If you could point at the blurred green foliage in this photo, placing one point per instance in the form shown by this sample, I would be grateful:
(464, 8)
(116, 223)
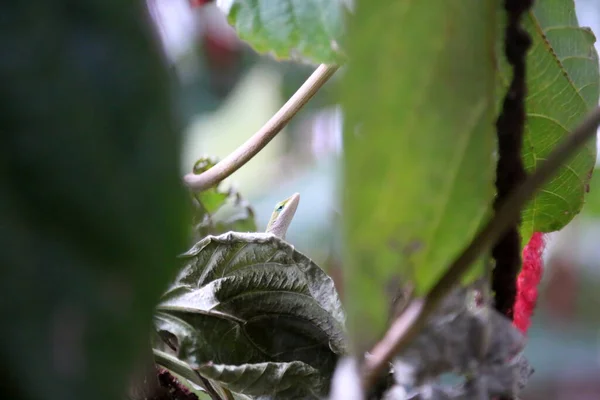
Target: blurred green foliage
(93, 212)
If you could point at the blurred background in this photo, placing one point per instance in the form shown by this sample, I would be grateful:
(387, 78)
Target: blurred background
(226, 92)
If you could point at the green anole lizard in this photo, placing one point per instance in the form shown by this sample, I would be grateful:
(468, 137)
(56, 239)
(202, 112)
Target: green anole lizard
(282, 216)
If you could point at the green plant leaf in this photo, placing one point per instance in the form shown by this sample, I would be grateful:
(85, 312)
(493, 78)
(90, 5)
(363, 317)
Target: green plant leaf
(235, 214)
(305, 29)
(251, 298)
(592, 200)
(418, 145)
(210, 200)
(563, 83)
(269, 380)
(92, 207)
(219, 210)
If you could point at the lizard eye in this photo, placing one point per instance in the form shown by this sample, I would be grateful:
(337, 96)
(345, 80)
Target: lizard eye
(280, 208)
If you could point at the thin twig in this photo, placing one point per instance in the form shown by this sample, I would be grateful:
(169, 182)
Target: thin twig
(259, 140)
(407, 325)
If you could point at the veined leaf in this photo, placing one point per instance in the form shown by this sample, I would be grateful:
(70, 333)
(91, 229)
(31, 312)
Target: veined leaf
(563, 84)
(269, 380)
(249, 298)
(306, 29)
(419, 140)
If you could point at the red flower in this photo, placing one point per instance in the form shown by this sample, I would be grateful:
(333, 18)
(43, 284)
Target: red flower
(528, 281)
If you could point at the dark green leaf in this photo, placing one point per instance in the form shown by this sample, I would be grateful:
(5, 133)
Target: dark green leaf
(251, 298)
(92, 209)
(418, 145)
(269, 380)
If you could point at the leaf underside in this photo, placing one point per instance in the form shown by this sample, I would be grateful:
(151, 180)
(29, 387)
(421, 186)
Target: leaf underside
(291, 29)
(418, 145)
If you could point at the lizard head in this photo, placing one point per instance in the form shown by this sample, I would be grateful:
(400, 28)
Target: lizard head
(282, 215)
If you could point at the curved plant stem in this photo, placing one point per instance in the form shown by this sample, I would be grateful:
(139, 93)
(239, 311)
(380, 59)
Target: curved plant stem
(259, 140)
(408, 324)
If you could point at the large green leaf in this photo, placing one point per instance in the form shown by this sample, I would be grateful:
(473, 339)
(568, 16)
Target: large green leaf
(92, 208)
(269, 380)
(419, 138)
(306, 29)
(563, 84)
(250, 298)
